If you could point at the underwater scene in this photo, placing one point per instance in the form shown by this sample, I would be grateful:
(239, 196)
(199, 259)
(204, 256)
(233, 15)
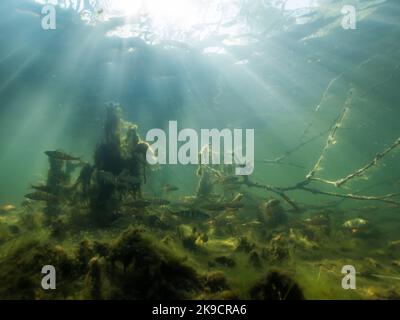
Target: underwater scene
(199, 149)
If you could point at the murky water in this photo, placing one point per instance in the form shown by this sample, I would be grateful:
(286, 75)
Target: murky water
(83, 84)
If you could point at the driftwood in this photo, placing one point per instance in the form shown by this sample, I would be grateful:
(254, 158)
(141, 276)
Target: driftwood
(311, 177)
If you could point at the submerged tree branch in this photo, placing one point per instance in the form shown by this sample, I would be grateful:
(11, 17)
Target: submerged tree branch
(304, 184)
(280, 191)
(280, 159)
(331, 140)
(385, 198)
(273, 189)
(363, 170)
(323, 98)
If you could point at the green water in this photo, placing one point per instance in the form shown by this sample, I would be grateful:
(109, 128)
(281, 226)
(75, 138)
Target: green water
(288, 73)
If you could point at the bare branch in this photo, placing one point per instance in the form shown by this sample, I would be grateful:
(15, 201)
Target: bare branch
(323, 98)
(279, 160)
(385, 198)
(273, 189)
(361, 171)
(332, 135)
(331, 140)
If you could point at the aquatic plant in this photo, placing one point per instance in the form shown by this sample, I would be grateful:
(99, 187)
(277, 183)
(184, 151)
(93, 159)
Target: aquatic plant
(277, 286)
(144, 262)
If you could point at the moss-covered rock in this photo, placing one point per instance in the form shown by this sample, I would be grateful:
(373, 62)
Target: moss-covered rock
(143, 270)
(276, 286)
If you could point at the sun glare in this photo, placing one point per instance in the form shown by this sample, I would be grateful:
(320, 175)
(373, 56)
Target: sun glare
(125, 7)
(172, 11)
(297, 4)
(180, 20)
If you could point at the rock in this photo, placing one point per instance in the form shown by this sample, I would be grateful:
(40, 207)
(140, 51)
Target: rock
(277, 248)
(300, 241)
(357, 226)
(225, 261)
(225, 295)
(244, 245)
(255, 259)
(317, 226)
(396, 263)
(272, 213)
(144, 261)
(188, 236)
(394, 245)
(215, 281)
(276, 286)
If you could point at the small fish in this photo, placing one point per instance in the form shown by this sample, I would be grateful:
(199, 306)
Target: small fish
(238, 197)
(169, 188)
(214, 207)
(188, 200)
(40, 196)
(142, 203)
(254, 223)
(160, 202)
(42, 188)
(193, 214)
(59, 155)
(222, 206)
(318, 220)
(355, 223)
(234, 205)
(7, 208)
